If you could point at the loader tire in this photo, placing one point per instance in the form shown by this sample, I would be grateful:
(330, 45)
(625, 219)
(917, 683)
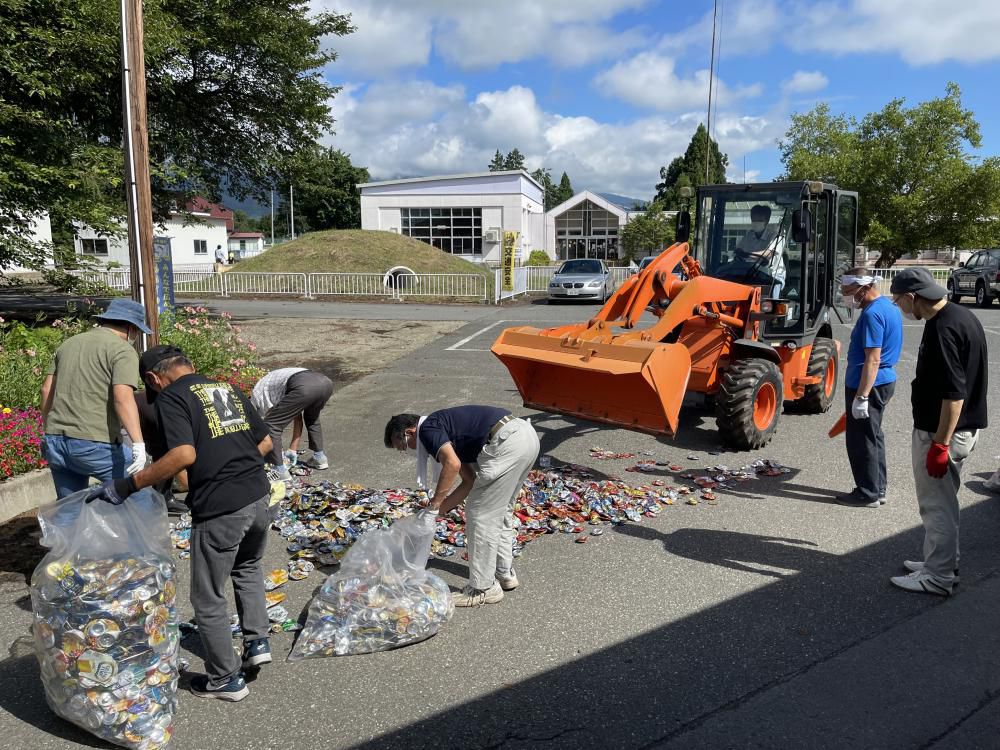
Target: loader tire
(748, 403)
(824, 364)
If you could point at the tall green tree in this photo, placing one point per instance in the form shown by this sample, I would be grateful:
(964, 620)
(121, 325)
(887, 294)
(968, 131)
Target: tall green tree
(919, 184)
(326, 193)
(497, 164)
(689, 170)
(647, 233)
(233, 89)
(514, 160)
(565, 190)
(551, 191)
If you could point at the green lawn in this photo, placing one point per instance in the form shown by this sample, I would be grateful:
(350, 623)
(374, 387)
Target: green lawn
(355, 251)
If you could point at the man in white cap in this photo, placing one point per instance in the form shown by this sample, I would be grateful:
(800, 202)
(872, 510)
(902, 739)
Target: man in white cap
(492, 451)
(876, 343)
(949, 410)
(87, 397)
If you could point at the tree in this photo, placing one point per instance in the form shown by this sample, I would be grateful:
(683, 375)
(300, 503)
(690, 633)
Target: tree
(551, 191)
(233, 88)
(326, 193)
(647, 233)
(565, 190)
(514, 160)
(918, 184)
(689, 170)
(497, 165)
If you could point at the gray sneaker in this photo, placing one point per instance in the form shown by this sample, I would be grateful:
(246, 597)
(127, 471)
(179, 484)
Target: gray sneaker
(917, 566)
(508, 581)
(470, 597)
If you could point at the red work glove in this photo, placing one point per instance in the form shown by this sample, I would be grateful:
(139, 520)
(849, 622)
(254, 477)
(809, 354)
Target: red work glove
(937, 460)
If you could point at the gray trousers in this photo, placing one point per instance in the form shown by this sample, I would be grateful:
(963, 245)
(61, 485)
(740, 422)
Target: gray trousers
(222, 548)
(306, 393)
(866, 442)
(938, 501)
(501, 468)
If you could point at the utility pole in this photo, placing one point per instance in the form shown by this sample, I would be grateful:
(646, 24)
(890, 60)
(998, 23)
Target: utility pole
(291, 209)
(711, 81)
(136, 147)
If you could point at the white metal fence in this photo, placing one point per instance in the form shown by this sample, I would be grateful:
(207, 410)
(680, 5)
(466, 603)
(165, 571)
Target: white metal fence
(349, 285)
(888, 274)
(538, 277)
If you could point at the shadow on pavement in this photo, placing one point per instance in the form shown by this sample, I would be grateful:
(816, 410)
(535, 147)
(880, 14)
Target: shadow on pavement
(658, 686)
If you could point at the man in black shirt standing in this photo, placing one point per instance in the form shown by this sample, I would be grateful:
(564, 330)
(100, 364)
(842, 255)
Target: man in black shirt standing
(492, 451)
(949, 410)
(211, 430)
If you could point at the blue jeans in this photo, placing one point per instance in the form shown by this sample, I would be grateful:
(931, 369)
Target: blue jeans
(74, 461)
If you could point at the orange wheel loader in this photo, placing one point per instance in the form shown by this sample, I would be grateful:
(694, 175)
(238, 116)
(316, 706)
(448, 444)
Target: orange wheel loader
(745, 320)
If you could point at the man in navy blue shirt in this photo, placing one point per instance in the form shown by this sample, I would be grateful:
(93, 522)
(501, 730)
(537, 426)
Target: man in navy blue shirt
(876, 342)
(492, 452)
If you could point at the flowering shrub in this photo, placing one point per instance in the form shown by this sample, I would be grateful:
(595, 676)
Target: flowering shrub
(20, 438)
(214, 345)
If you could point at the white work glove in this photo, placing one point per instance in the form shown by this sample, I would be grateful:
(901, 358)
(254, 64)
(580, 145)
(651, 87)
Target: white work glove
(859, 409)
(139, 458)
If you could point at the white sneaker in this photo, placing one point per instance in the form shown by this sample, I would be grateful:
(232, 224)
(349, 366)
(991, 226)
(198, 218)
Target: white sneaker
(318, 461)
(470, 597)
(917, 566)
(508, 581)
(921, 583)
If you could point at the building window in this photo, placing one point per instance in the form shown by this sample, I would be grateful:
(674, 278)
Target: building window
(458, 231)
(201, 247)
(93, 247)
(587, 231)
(243, 245)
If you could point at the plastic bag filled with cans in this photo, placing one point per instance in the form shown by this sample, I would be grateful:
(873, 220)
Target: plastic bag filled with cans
(382, 596)
(105, 628)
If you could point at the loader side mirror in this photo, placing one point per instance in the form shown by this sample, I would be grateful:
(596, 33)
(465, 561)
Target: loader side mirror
(801, 225)
(683, 227)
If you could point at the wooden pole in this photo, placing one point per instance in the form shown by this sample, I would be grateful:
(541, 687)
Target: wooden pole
(136, 146)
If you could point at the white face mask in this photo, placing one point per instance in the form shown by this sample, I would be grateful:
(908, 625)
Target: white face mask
(909, 315)
(850, 302)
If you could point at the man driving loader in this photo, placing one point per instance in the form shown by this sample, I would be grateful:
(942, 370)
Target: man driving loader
(761, 248)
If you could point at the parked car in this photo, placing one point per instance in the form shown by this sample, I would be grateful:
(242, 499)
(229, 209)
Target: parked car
(979, 277)
(582, 278)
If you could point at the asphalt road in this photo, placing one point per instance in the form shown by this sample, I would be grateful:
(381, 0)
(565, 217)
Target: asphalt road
(766, 620)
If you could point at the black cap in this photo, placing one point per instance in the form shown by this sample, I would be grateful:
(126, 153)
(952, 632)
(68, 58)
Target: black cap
(918, 281)
(150, 359)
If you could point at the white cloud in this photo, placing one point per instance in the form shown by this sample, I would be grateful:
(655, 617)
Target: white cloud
(649, 80)
(805, 82)
(922, 32)
(398, 34)
(376, 126)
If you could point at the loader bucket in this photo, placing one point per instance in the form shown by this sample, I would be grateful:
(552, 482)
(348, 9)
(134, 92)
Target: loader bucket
(635, 385)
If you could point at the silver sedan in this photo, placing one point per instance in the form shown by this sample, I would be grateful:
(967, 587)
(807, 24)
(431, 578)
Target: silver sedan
(583, 278)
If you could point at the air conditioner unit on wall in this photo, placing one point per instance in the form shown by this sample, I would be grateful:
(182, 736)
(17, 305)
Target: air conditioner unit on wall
(491, 235)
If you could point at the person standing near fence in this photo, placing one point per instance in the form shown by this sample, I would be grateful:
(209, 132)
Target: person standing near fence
(492, 451)
(949, 409)
(88, 396)
(876, 343)
(279, 397)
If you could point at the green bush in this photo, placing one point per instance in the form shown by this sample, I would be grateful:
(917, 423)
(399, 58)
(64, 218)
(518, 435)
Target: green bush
(539, 258)
(25, 355)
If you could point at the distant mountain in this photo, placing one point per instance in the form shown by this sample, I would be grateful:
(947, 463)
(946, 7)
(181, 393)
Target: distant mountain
(623, 200)
(251, 207)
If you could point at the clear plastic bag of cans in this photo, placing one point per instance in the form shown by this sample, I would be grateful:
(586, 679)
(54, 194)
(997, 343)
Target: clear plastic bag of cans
(382, 597)
(105, 628)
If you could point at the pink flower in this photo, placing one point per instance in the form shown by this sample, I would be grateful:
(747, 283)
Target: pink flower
(252, 347)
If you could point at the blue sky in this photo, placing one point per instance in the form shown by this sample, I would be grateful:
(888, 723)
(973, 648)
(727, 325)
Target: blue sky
(611, 90)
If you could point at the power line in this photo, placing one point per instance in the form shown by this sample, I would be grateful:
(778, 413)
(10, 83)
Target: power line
(711, 83)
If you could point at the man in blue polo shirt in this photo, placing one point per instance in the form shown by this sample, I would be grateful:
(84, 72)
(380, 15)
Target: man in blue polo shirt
(876, 342)
(492, 451)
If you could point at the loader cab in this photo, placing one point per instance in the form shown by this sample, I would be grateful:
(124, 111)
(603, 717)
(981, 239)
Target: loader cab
(792, 239)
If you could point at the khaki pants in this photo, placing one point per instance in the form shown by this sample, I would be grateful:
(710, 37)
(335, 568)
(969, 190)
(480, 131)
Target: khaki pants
(938, 501)
(501, 468)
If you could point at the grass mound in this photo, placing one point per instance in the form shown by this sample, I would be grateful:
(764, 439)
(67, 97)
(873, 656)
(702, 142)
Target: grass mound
(355, 251)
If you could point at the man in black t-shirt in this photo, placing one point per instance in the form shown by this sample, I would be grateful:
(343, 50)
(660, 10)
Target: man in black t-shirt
(949, 409)
(492, 451)
(211, 430)
(149, 423)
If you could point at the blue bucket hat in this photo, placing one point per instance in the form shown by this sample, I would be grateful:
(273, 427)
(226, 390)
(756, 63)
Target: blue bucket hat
(126, 311)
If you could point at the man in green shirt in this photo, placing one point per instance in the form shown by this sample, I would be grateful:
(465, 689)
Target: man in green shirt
(87, 397)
